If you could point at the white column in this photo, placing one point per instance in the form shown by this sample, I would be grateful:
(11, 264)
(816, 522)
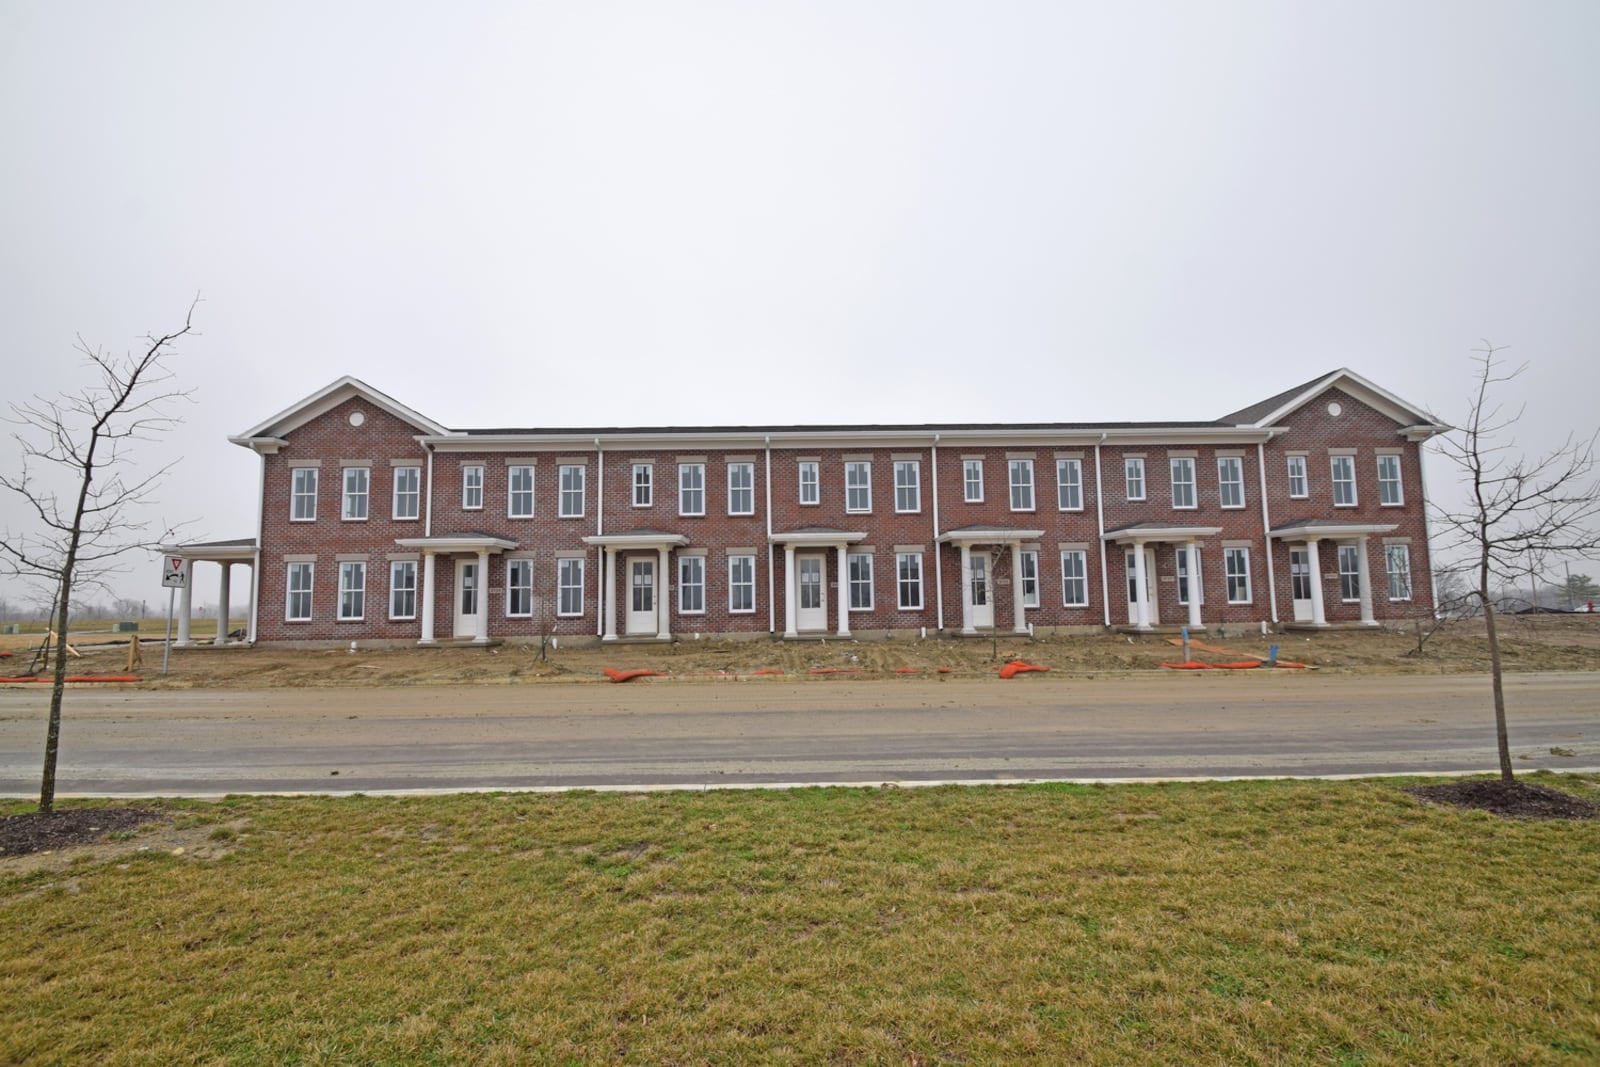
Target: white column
(1019, 617)
(224, 594)
(966, 589)
(427, 600)
(844, 591)
(1141, 599)
(1364, 574)
(185, 609)
(609, 593)
(1191, 563)
(250, 618)
(480, 625)
(789, 593)
(1319, 616)
(663, 587)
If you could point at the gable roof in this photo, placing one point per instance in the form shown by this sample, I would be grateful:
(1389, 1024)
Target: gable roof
(1266, 412)
(326, 399)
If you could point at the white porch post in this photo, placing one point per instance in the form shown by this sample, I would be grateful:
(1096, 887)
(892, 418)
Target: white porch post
(609, 594)
(480, 625)
(1191, 563)
(1141, 599)
(185, 609)
(966, 589)
(844, 590)
(1019, 617)
(250, 617)
(663, 587)
(1319, 616)
(427, 637)
(224, 594)
(1363, 571)
(789, 585)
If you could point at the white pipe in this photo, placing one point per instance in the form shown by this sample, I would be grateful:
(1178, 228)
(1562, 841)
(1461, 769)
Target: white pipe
(938, 567)
(1266, 533)
(772, 607)
(261, 536)
(1100, 520)
(599, 531)
(427, 514)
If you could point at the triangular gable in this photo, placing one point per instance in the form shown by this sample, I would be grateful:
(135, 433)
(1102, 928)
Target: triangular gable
(329, 397)
(1379, 399)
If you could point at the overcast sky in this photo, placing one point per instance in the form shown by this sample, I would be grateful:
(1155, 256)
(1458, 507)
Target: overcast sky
(647, 213)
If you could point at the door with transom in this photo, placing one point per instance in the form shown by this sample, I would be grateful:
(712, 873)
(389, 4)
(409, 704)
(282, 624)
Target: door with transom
(1149, 585)
(1300, 579)
(811, 612)
(642, 619)
(981, 586)
(469, 597)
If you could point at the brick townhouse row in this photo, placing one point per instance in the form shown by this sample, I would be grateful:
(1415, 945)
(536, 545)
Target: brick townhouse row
(379, 525)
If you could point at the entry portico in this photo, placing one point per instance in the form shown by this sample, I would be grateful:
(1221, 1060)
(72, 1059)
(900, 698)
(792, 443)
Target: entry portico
(1134, 538)
(649, 611)
(805, 605)
(225, 554)
(1305, 564)
(471, 601)
(977, 577)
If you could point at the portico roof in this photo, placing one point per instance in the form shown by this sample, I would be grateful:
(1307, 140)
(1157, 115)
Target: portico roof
(1332, 529)
(646, 538)
(1159, 531)
(461, 542)
(816, 535)
(988, 535)
(243, 548)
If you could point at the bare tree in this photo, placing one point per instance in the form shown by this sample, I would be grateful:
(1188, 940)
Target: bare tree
(82, 441)
(1519, 511)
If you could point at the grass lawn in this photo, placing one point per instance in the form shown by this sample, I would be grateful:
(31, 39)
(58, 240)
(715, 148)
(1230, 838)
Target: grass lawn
(1277, 922)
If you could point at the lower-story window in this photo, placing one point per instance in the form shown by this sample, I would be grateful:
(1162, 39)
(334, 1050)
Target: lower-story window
(1074, 578)
(569, 586)
(1183, 575)
(691, 585)
(352, 591)
(1236, 564)
(741, 584)
(1030, 579)
(1349, 573)
(1397, 561)
(403, 589)
(860, 567)
(519, 588)
(297, 602)
(908, 567)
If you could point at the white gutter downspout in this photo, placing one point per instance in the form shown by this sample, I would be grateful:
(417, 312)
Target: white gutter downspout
(1266, 531)
(938, 568)
(1100, 519)
(1427, 534)
(427, 515)
(772, 607)
(599, 531)
(261, 534)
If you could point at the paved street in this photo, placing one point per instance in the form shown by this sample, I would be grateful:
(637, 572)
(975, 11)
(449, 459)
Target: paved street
(200, 742)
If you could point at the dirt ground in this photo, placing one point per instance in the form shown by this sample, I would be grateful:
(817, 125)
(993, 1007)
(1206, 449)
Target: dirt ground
(1542, 643)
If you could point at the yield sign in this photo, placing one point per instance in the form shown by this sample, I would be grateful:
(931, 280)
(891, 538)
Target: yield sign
(174, 572)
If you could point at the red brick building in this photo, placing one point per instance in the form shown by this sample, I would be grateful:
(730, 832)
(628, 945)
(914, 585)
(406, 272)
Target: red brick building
(379, 525)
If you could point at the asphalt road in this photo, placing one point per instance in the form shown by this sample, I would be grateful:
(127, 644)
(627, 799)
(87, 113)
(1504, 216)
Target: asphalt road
(203, 742)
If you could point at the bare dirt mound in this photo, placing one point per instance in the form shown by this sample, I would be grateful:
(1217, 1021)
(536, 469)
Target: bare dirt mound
(1513, 800)
(34, 831)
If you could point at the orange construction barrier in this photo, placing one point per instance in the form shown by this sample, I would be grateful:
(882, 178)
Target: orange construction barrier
(75, 678)
(769, 670)
(834, 670)
(1016, 667)
(628, 676)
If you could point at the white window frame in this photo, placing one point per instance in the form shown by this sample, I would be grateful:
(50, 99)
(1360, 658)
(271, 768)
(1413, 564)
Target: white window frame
(1074, 578)
(1029, 578)
(1389, 483)
(571, 482)
(1236, 569)
(1184, 466)
(356, 494)
(908, 584)
(472, 487)
(691, 578)
(1299, 481)
(1133, 477)
(569, 586)
(858, 487)
(644, 490)
(1230, 486)
(292, 590)
(691, 489)
(514, 494)
(300, 493)
(741, 576)
(1347, 464)
(1400, 554)
(352, 593)
(907, 486)
(858, 570)
(1349, 560)
(1021, 495)
(1181, 569)
(972, 481)
(810, 483)
(741, 488)
(519, 589)
(398, 569)
(1069, 485)
(407, 494)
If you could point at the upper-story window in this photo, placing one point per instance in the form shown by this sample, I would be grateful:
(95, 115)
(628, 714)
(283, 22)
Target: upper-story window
(407, 492)
(1133, 476)
(472, 487)
(356, 484)
(1230, 481)
(1069, 484)
(741, 489)
(1344, 481)
(519, 495)
(972, 481)
(1021, 484)
(572, 477)
(907, 485)
(810, 486)
(1390, 493)
(303, 495)
(858, 486)
(1299, 488)
(643, 485)
(1183, 481)
(691, 489)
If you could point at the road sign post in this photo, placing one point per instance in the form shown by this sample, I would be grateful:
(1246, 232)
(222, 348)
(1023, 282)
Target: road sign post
(175, 576)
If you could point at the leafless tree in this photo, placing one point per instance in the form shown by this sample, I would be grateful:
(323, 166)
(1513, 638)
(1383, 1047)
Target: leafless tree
(1519, 511)
(83, 491)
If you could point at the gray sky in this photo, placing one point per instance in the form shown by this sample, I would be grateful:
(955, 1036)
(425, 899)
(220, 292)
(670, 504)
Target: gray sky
(627, 213)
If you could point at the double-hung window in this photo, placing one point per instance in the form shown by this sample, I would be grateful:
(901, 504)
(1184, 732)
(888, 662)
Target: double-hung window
(1230, 481)
(1236, 565)
(303, 495)
(1397, 561)
(691, 489)
(1183, 482)
(1021, 484)
(1349, 573)
(1133, 476)
(569, 586)
(643, 485)
(1029, 561)
(972, 481)
(1298, 487)
(741, 584)
(859, 565)
(1074, 578)
(907, 485)
(519, 588)
(691, 585)
(1344, 481)
(741, 489)
(810, 483)
(908, 570)
(1390, 493)
(472, 487)
(1069, 484)
(352, 590)
(571, 480)
(858, 486)
(403, 589)
(297, 599)
(1183, 575)
(519, 494)
(407, 492)
(356, 482)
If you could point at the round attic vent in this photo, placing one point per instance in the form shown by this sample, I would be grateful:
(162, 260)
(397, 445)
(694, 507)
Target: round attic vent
(1333, 409)
(358, 418)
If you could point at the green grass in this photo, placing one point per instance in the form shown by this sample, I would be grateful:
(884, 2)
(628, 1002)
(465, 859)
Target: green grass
(1284, 923)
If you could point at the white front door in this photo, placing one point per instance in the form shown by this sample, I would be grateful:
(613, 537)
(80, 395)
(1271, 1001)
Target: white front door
(642, 619)
(812, 611)
(1149, 586)
(982, 591)
(1300, 584)
(469, 597)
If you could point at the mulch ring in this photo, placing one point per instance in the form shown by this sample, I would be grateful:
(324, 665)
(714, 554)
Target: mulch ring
(37, 832)
(1514, 800)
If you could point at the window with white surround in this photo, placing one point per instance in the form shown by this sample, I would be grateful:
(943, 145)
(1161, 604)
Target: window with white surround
(1074, 578)
(352, 590)
(741, 489)
(303, 495)
(571, 480)
(907, 485)
(1183, 481)
(1344, 481)
(1298, 486)
(403, 589)
(972, 481)
(356, 483)
(858, 486)
(1230, 481)
(519, 588)
(1021, 484)
(1236, 565)
(1183, 575)
(407, 492)
(569, 586)
(1349, 573)
(691, 489)
(472, 487)
(519, 494)
(643, 485)
(859, 565)
(741, 584)
(691, 585)
(1030, 578)
(908, 572)
(1133, 475)
(810, 484)
(1069, 484)
(1397, 561)
(1390, 493)
(297, 600)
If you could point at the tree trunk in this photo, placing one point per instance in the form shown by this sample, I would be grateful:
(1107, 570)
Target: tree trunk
(58, 688)
(1502, 742)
